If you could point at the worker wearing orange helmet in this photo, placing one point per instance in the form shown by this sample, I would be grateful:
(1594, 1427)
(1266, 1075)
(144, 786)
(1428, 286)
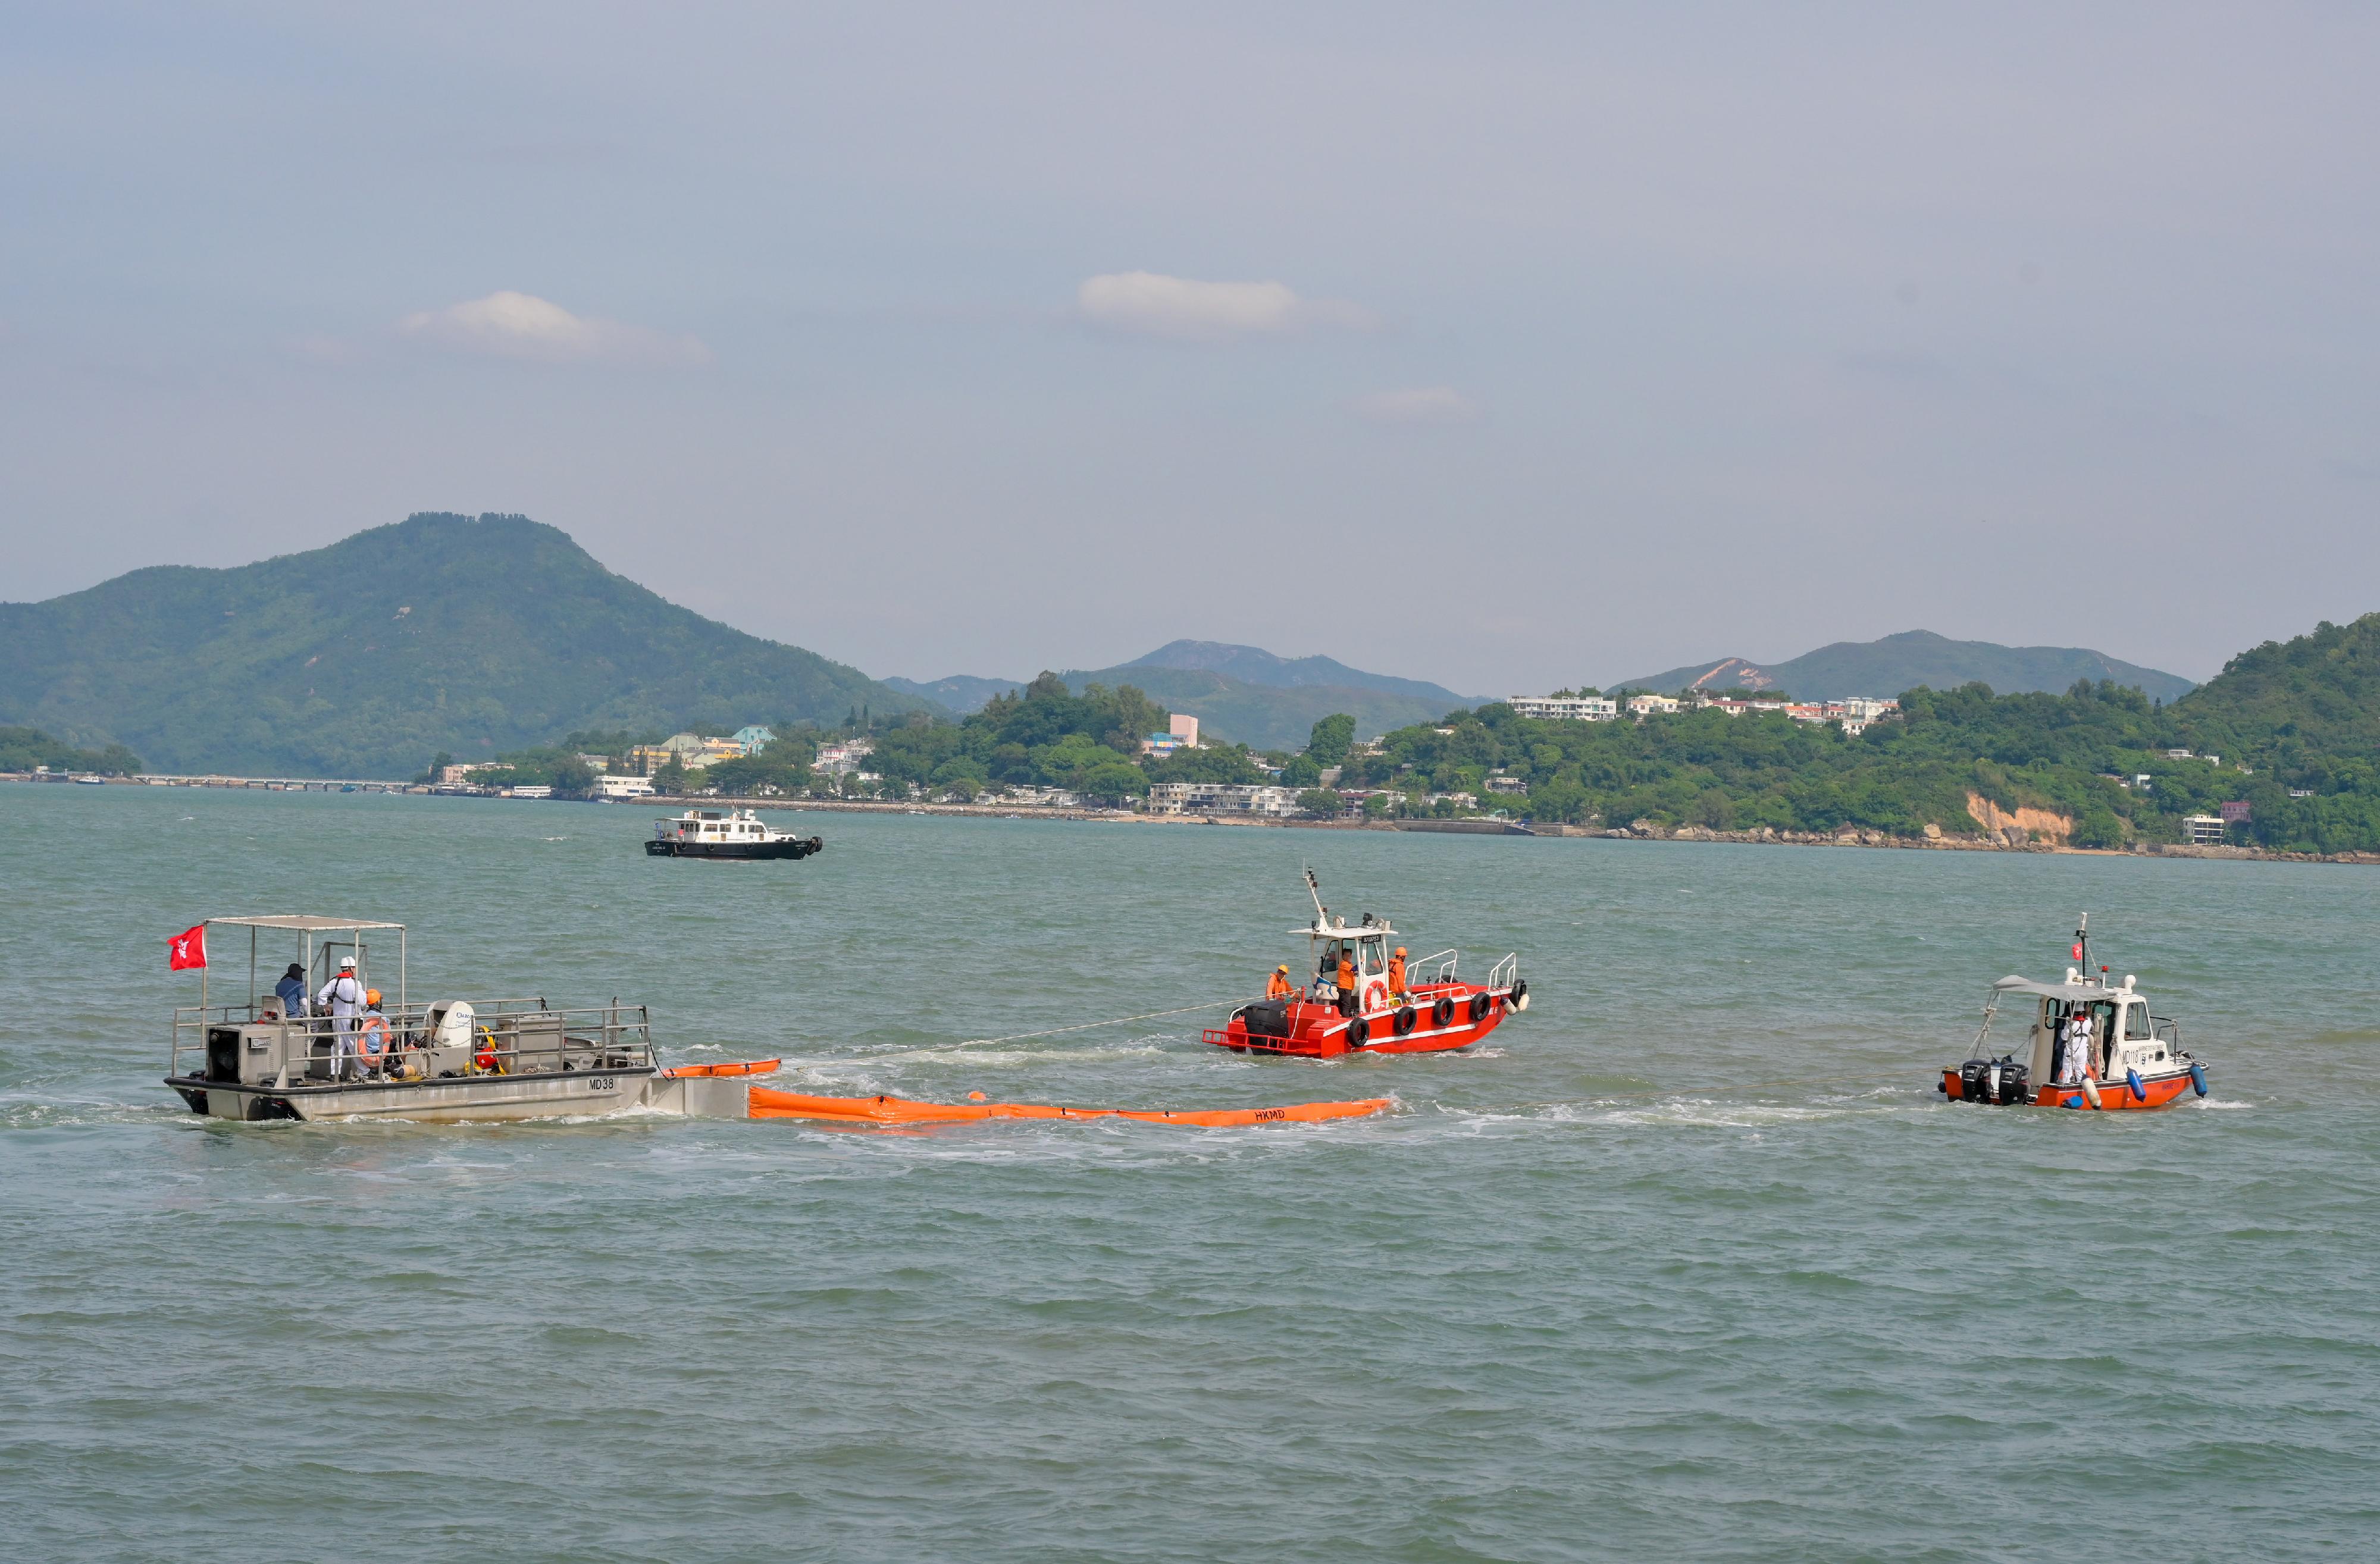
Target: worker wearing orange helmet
(1279, 987)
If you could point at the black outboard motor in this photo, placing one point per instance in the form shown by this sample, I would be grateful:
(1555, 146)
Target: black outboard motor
(1267, 1018)
(2000, 1082)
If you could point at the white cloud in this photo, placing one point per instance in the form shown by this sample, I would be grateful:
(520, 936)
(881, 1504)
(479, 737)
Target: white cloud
(520, 325)
(1151, 304)
(1421, 404)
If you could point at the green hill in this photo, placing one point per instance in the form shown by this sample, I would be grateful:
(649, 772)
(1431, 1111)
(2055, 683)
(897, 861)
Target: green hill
(1886, 667)
(1249, 696)
(1264, 716)
(1244, 694)
(2292, 731)
(365, 657)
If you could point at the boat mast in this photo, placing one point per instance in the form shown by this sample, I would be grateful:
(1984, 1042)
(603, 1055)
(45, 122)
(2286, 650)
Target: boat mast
(2082, 943)
(1314, 888)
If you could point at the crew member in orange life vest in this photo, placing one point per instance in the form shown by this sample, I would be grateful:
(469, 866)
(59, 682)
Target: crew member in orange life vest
(1346, 970)
(1279, 987)
(1397, 973)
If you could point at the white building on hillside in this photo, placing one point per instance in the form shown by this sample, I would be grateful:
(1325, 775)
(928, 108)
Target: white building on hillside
(1646, 705)
(1564, 708)
(843, 759)
(1220, 798)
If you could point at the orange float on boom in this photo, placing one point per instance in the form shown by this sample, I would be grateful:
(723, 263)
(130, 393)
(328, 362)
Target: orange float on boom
(747, 1067)
(768, 1104)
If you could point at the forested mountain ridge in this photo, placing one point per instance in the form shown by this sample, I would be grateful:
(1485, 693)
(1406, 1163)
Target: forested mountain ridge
(1894, 664)
(443, 632)
(2307, 709)
(1240, 693)
(1253, 665)
(2289, 730)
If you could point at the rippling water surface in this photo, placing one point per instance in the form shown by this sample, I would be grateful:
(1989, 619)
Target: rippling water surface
(1689, 1262)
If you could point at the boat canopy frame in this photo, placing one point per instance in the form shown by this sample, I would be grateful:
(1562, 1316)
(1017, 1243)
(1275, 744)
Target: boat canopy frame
(305, 925)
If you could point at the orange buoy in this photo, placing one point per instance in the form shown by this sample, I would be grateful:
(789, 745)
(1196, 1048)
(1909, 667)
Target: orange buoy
(768, 1104)
(748, 1067)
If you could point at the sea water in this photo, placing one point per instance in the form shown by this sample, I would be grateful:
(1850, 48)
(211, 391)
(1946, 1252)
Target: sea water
(1688, 1261)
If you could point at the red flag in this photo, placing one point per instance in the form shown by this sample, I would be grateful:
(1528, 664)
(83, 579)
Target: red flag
(2078, 950)
(186, 949)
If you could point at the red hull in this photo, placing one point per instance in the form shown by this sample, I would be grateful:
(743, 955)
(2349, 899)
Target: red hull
(1318, 1031)
(2162, 1092)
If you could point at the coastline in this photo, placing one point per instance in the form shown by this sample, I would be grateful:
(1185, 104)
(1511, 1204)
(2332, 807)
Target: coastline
(1641, 831)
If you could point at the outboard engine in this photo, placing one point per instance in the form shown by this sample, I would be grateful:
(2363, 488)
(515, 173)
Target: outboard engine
(2000, 1082)
(1267, 1018)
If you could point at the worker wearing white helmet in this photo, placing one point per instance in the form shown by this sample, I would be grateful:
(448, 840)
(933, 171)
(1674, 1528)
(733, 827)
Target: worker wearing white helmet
(344, 996)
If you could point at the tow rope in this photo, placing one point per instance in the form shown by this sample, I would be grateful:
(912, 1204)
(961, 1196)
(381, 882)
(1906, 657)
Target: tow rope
(1090, 1025)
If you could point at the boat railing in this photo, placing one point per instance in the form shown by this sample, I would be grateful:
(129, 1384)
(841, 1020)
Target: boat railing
(508, 1032)
(1504, 973)
(2167, 1032)
(1439, 969)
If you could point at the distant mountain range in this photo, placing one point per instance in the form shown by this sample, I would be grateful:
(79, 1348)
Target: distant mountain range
(488, 634)
(364, 659)
(1899, 663)
(1241, 694)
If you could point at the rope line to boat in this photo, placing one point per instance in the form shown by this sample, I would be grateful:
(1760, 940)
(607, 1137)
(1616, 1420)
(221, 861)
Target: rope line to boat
(1725, 1086)
(1090, 1025)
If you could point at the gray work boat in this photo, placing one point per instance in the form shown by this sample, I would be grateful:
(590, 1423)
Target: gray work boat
(446, 1061)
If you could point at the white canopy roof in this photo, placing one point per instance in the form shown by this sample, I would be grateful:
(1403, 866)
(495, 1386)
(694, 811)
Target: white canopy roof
(2071, 992)
(303, 922)
(1344, 930)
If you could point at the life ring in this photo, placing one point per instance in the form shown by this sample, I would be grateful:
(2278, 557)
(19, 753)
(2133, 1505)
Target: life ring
(1481, 1004)
(1405, 1019)
(1442, 1012)
(1359, 1032)
(371, 1038)
(1375, 996)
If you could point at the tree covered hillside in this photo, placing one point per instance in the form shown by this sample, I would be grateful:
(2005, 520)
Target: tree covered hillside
(1045, 736)
(2303, 717)
(362, 659)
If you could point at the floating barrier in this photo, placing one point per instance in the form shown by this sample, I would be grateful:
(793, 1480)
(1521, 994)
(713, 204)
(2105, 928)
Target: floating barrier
(745, 1067)
(894, 1110)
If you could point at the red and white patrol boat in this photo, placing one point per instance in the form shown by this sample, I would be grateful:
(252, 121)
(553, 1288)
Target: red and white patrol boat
(1435, 1010)
(2092, 1045)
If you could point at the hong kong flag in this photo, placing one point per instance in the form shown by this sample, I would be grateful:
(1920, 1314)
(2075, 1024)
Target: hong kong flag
(186, 949)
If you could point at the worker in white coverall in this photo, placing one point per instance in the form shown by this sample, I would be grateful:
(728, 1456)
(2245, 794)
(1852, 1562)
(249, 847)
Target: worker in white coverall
(344, 998)
(2077, 1048)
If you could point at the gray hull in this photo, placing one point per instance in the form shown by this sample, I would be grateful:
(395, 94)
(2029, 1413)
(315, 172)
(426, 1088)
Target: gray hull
(545, 1095)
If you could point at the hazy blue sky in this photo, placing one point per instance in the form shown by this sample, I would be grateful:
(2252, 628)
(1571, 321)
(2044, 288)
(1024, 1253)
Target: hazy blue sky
(1502, 346)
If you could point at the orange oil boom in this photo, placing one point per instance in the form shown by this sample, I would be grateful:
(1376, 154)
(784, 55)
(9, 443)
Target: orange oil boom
(746, 1067)
(767, 1104)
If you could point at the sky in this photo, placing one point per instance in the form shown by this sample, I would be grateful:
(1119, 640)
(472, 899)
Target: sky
(1509, 347)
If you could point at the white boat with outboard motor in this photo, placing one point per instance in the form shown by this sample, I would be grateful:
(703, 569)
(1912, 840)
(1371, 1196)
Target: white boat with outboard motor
(263, 1058)
(2093, 1043)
